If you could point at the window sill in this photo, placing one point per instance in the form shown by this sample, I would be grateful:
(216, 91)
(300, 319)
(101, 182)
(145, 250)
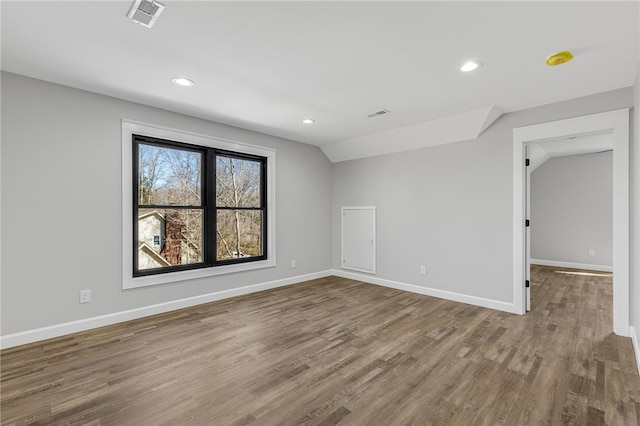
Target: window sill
(193, 274)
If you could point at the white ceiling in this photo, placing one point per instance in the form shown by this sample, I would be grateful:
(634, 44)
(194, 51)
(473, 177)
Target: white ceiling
(267, 65)
(540, 152)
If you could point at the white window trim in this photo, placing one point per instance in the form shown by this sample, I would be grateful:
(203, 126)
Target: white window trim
(129, 128)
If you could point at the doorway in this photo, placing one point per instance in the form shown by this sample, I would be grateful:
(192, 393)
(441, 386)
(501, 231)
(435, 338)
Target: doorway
(570, 206)
(615, 123)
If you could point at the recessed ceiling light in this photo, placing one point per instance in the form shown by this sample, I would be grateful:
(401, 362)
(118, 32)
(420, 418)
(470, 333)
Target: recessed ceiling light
(308, 121)
(470, 66)
(182, 81)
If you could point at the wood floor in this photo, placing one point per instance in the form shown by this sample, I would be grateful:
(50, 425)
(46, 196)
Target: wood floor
(336, 351)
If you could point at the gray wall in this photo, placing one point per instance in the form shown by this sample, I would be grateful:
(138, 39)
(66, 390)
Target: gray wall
(572, 209)
(449, 207)
(61, 205)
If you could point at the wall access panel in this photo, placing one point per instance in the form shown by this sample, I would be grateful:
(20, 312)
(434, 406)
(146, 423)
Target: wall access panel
(359, 239)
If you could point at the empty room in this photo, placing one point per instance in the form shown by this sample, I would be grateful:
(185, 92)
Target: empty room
(319, 213)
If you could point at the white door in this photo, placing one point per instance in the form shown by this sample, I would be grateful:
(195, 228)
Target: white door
(527, 230)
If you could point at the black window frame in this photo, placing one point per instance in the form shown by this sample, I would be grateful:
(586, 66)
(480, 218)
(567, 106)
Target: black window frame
(208, 205)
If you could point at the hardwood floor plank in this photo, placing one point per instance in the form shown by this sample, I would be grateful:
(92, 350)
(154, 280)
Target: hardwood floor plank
(337, 351)
(595, 417)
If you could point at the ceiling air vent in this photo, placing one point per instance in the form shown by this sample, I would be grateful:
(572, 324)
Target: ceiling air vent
(145, 12)
(378, 113)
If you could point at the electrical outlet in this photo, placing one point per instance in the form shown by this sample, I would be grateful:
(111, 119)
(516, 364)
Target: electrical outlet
(592, 252)
(293, 264)
(423, 270)
(85, 296)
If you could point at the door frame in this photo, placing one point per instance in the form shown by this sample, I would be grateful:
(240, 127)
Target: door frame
(527, 230)
(613, 122)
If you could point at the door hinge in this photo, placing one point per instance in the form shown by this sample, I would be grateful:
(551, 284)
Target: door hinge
(526, 222)
(527, 162)
(526, 283)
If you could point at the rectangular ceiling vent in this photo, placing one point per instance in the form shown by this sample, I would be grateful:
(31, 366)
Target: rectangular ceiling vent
(378, 113)
(145, 12)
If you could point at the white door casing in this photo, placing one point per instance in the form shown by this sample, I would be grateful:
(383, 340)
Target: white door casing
(616, 123)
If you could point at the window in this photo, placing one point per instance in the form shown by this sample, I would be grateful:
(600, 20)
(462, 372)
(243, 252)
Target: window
(209, 204)
(197, 206)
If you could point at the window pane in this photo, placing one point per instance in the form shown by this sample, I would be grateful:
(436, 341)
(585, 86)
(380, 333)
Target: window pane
(169, 237)
(237, 182)
(239, 234)
(169, 176)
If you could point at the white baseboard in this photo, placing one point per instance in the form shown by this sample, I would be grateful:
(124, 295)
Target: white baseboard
(427, 291)
(573, 265)
(636, 346)
(49, 332)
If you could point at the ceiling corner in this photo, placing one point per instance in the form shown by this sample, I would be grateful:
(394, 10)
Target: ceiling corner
(492, 114)
(453, 128)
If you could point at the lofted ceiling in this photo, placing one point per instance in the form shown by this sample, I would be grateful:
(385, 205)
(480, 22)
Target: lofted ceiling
(540, 152)
(265, 65)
